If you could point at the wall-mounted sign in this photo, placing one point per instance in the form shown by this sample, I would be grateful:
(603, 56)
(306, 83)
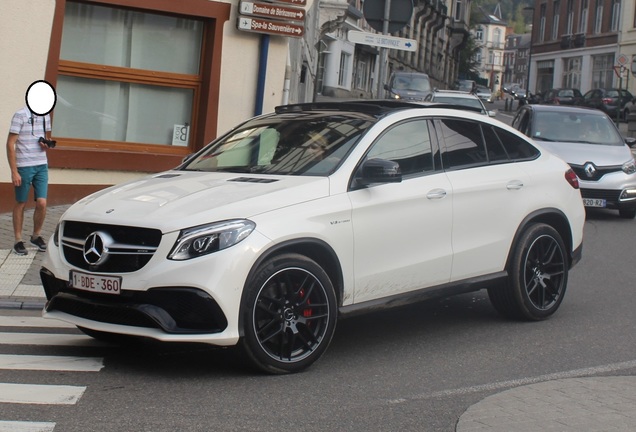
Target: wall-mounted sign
(271, 10)
(382, 41)
(281, 28)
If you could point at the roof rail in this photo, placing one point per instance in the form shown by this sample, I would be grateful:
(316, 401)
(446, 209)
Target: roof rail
(369, 106)
(372, 106)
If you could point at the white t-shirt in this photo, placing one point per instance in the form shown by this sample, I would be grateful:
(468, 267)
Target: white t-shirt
(29, 127)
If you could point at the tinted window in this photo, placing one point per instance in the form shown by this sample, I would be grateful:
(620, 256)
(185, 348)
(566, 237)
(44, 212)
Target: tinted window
(408, 144)
(463, 144)
(516, 147)
(494, 147)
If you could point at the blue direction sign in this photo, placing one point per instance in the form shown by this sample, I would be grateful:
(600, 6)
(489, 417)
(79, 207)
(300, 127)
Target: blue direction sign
(382, 41)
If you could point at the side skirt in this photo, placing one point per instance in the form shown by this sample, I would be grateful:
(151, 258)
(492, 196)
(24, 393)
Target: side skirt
(439, 291)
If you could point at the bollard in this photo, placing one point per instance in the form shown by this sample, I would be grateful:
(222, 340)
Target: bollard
(631, 125)
(506, 105)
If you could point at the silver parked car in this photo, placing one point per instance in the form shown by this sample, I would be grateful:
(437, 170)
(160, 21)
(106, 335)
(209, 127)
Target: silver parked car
(461, 99)
(590, 142)
(483, 93)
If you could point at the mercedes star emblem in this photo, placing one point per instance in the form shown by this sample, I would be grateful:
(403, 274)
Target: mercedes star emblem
(96, 248)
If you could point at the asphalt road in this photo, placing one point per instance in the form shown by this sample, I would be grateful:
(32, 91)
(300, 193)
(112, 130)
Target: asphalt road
(417, 368)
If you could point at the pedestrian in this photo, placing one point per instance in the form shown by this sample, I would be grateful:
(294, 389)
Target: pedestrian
(29, 140)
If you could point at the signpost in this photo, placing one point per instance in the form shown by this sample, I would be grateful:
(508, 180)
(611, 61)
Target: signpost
(386, 16)
(382, 41)
(286, 20)
(254, 16)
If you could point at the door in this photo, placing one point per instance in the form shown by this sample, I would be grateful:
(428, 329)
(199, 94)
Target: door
(402, 231)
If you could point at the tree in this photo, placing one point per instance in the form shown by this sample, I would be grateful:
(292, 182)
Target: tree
(467, 65)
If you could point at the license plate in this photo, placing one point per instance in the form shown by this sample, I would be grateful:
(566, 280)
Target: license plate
(594, 202)
(95, 283)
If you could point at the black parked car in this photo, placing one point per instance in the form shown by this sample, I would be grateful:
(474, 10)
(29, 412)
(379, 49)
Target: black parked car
(563, 96)
(609, 100)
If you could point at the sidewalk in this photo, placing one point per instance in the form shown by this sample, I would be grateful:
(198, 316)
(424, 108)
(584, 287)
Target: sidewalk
(20, 286)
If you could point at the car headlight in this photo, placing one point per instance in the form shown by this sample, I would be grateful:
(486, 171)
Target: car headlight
(206, 239)
(56, 235)
(629, 167)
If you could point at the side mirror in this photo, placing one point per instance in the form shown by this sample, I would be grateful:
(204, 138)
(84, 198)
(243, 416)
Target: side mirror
(630, 141)
(492, 114)
(386, 87)
(379, 171)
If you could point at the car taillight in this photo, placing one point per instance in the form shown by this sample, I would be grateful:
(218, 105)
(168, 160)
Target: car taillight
(571, 178)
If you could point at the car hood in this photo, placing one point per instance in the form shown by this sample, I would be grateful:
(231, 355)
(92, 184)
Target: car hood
(579, 154)
(173, 200)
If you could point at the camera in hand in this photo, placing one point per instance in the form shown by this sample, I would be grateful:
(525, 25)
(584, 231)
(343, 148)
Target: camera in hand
(49, 143)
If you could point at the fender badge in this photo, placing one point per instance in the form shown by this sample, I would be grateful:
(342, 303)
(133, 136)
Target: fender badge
(110, 211)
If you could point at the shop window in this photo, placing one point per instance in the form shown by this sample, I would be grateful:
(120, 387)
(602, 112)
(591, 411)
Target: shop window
(134, 82)
(149, 67)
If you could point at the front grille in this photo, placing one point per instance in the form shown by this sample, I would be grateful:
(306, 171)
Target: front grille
(597, 174)
(608, 195)
(179, 310)
(129, 248)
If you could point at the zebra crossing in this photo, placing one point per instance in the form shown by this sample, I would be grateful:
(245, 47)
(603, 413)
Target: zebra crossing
(29, 333)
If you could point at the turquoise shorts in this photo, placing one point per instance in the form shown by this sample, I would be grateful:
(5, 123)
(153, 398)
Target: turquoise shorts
(38, 176)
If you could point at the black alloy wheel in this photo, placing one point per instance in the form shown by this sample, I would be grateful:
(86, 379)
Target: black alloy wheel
(290, 314)
(538, 276)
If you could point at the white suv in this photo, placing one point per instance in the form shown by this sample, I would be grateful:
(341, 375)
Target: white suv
(268, 235)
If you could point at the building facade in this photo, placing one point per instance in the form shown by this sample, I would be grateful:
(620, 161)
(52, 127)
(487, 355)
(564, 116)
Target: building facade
(489, 32)
(143, 83)
(575, 43)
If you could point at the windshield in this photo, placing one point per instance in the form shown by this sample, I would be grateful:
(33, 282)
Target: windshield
(412, 82)
(287, 144)
(461, 101)
(575, 127)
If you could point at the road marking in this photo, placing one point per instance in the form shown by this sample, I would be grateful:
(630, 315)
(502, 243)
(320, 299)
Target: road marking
(49, 339)
(575, 373)
(19, 426)
(17, 321)
(51, 363)
(40, 394)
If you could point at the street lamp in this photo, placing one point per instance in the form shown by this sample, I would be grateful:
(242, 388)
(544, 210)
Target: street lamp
(530, 48)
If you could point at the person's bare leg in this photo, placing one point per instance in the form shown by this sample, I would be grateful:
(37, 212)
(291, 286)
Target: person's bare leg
(38, 216)
(18, 219)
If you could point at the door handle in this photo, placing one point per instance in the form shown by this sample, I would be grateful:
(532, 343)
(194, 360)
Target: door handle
(436, 194)
(514, 185)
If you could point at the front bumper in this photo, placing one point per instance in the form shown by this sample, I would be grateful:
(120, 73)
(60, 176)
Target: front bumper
(173, 310)
(617, 199)
(196, 300)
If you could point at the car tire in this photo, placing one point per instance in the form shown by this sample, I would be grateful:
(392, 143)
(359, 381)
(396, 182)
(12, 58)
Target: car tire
(289, 315)
(627, 213)
(537, 276)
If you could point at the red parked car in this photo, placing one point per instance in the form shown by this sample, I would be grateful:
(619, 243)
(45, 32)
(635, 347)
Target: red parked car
(609, 101)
